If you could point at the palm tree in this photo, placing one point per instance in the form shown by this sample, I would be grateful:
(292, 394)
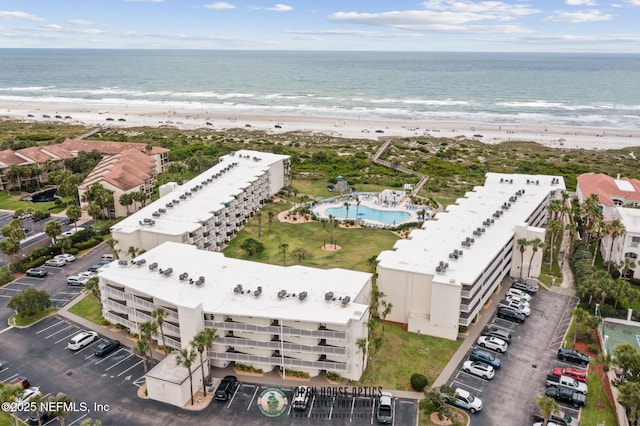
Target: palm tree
(580, 315)
(387, 307)
(625, 265)
(73, 213)
(599, 230)
(126, 200)
(357, 206)
(186, 358)
(201, 341)
(141, 348)
(112, 245)
(259, 215)
(621, 290)
(535, 244)
(159, 314)
(572, 227)
(271, 215)
(553, 228)
(63, 406)
(132, 251)
(10, 393)
(362, 345)
(90, 422)
(522, 246)
(548, 407)
(331, 229)
(148, 329)
(53, 229)
(346, 206)
(93, 287)
(615, 229)
(324, 233)
(283, 247)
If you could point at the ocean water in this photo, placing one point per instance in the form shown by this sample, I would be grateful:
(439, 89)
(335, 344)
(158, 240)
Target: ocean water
(580, 89)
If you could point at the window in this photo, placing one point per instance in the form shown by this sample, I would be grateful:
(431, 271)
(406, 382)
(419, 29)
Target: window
(635, 241)
(618, 202)
(631, 255)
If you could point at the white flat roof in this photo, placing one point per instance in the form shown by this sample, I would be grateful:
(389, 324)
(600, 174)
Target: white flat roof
(427, 247)
(630, 218)
(223, 274)
(187, 215)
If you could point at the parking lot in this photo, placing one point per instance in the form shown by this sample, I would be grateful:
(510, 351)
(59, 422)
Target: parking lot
(509, 398)
(40, 354)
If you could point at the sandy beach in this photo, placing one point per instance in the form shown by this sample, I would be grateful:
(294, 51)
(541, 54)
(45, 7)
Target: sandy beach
(562, 137)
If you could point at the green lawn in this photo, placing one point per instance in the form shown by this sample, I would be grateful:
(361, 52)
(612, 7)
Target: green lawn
(7, 420)
(404, 354)
(592, 414)
(89, 308)
(357, 244)
(23, 321)
(11, 201)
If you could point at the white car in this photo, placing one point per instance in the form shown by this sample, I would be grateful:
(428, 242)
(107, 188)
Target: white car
(58, 263)
(479, 369)
(87, 274)
(526, 310)
(466, 400)
(82, 339)
(519, 293)
(493, 343)
(66, 257)
(518, 299)
(27, 395)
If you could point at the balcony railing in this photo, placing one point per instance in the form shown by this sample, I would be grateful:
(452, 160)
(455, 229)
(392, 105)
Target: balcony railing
(287, 362)
(239, 342)
(268, 329)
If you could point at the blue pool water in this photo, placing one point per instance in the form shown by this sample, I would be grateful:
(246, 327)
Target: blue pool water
(364, 212)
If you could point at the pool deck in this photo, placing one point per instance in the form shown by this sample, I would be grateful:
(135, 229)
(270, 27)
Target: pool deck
(371, 201)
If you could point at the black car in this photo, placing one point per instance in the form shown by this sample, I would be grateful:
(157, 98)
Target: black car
(500, 333)
(44, 417)
(510, 314)
(37, 272)
(567, 395)
(106, 347)
(571, 355)
(560, 417)
(487, 357)
(226, 388)
(527, 288)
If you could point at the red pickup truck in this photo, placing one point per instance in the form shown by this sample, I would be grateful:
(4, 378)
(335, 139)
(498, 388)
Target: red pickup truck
(575, 373)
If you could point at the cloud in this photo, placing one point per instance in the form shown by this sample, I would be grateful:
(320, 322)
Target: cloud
(219, 5)
(16, 14)
(446, 16)
(581, 2)
(79, 22)
(634, 2)
(578, 17)
(280, 8)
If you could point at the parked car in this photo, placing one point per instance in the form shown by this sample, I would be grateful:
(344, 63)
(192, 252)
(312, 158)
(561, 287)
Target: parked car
(574, 356)
(108, 257)
(495, 331)
(22, 381)
(510, 314)
(518, 306)
(87, 274)
(95, 267)
(479, 369)
(466, 400)
(527, 288)
(301, 396)
(566, 382)
(561, 418)
(66, 257)
(226, 388)
(487, 357)
(27, 395)
(384, 414)
(37, 272)
(493, 343)
(81, 340)
(519, 293)
(59, 263)
(106, 347)
(77, 281)
(40, 418)
(575, 373)
(518, 299)
(567, 395)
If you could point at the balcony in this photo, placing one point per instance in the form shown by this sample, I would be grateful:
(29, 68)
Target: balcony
(280, 361)
(278, 345)
(284, 331)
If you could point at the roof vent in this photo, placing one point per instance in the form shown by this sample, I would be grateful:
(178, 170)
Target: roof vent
(183, 276)
(237, 289)
(140, 262)
(162, 210)
(199, 282)
(155, 214)
(282, 294)
(328, 296)
(167, 272)
(153, 266)
(302, 295)
(346, 300)
(258, 292)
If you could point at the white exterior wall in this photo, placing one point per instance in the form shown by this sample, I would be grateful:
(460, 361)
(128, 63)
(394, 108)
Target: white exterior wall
(529, 233)
(169, 383)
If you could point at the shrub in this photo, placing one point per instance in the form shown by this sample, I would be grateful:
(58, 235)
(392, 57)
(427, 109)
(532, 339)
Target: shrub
(300, 374)
(248, 368)
(87, 244)
(334, 377)
(419, 382)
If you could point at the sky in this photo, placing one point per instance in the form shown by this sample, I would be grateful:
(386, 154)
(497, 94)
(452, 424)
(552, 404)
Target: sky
(391, 25)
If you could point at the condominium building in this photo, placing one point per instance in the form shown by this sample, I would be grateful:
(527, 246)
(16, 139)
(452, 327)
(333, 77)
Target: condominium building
(440, 277)
(611, 192)
(626, 245)
(291, 317)
(208, 210)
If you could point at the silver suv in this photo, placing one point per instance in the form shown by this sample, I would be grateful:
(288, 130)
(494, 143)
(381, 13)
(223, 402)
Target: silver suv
(81, 340)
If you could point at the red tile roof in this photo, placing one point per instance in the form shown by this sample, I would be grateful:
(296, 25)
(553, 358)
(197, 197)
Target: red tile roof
(126, 170)
(607, 188)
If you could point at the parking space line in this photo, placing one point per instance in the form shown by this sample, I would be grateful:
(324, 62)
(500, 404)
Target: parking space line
(353, 404)
(133, 366)
(235, 392)
(139, 381)
(65, 338)
(119, 362)
(373, 411)
(4, 295)
(333, 402)
(313, 399)
(51, 326)
(59, 331)
(88, 346)
(9, 378)
(472, 375)
(107, 357)
(77, 420)
(12, 289)
(465, 385)
(251, 402)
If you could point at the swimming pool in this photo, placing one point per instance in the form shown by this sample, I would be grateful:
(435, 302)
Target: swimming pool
(389, 217)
